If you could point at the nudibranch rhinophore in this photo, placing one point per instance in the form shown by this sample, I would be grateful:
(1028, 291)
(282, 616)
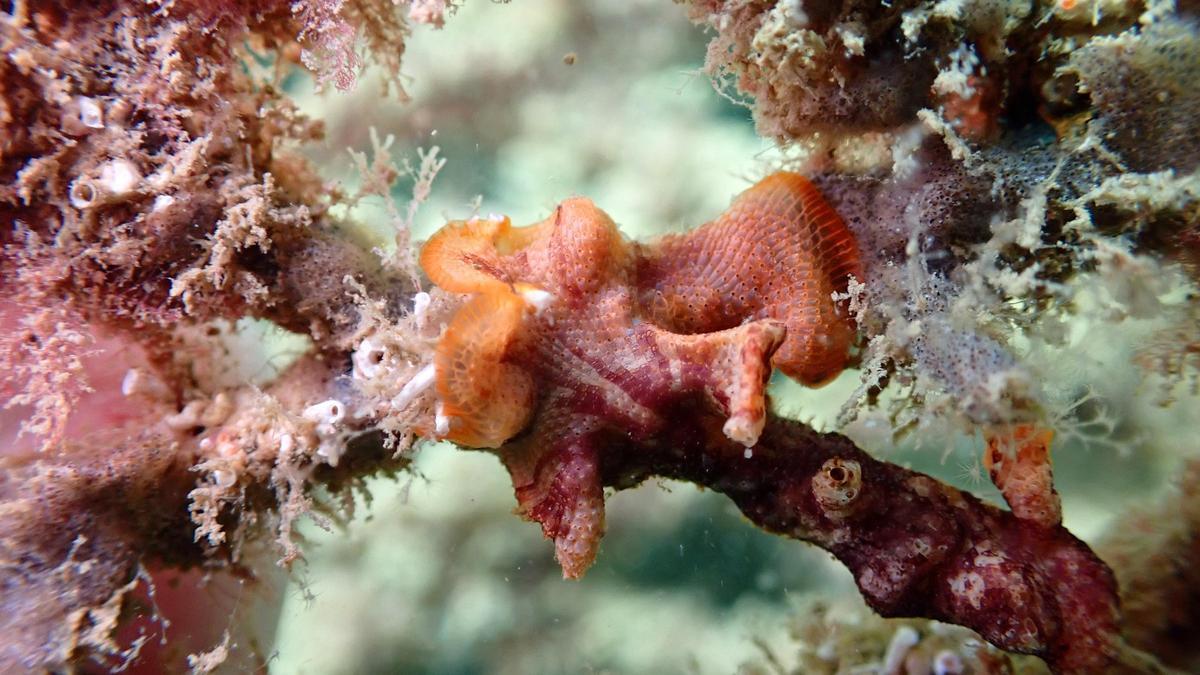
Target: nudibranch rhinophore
(573, 334)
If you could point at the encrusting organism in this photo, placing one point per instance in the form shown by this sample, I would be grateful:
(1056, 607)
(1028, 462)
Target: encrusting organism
(716, 279)
(1018, 461)
(150, 197)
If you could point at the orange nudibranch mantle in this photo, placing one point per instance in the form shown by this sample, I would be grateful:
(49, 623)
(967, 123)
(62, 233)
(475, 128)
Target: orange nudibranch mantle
(778, 255)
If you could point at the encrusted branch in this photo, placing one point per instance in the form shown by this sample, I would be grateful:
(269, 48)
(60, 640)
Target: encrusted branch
(915, 546)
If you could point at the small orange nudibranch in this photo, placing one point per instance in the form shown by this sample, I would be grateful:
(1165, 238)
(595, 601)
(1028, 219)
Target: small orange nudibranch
(1018, 460)
(572, 334)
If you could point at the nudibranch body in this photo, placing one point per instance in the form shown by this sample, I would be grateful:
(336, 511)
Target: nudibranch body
(574, 335)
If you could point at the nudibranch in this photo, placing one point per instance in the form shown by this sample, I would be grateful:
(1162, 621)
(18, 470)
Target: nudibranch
(573, 333)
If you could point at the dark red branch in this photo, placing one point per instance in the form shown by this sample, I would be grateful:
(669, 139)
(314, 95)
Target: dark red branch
(915, 546)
